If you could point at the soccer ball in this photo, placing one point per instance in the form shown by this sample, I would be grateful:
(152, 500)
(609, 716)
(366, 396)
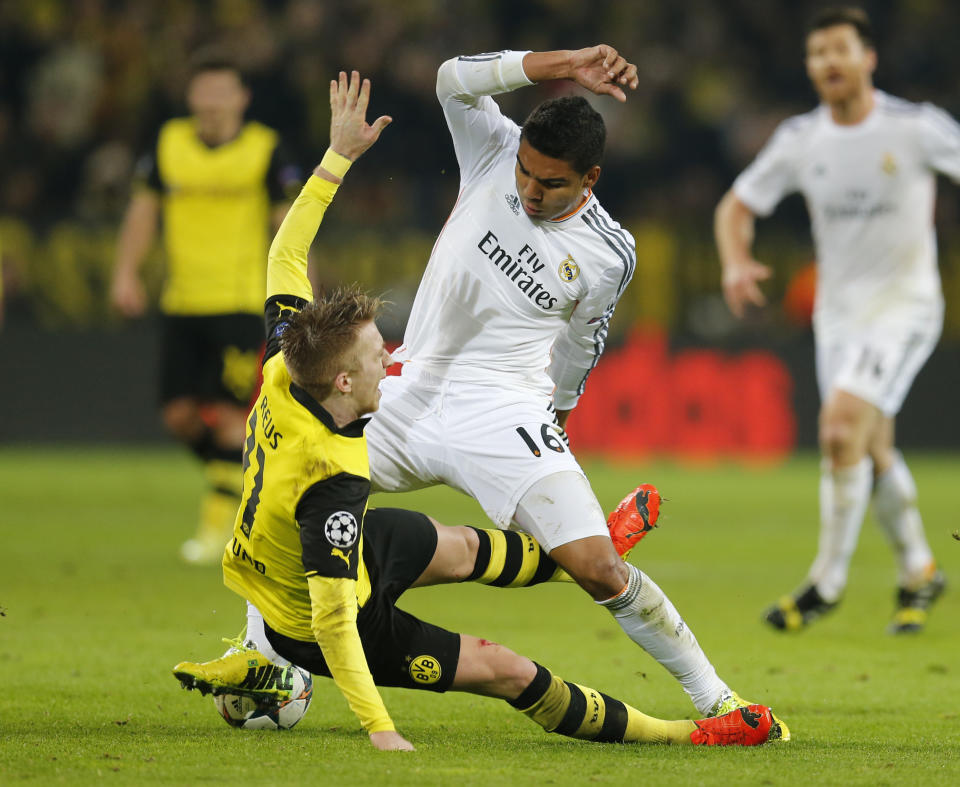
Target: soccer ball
(270, 714)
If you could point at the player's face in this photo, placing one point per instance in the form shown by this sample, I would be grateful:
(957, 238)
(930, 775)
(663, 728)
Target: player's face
(217, 100)
(371, 362)
(549, 187)
(838, 63)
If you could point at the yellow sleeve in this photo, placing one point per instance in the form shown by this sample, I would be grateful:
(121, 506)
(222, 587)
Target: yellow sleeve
(334, 605)
(287, 264)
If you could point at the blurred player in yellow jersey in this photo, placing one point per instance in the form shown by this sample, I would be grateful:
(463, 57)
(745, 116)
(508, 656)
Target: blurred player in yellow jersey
(221, 185)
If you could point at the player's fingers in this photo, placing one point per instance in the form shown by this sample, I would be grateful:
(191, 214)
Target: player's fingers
(755, 296)
(608, 53)
(380, 124)
(364, 98)
(762, 272)
(607, 88)
(629, 77)
(353, 90)
(616, 67)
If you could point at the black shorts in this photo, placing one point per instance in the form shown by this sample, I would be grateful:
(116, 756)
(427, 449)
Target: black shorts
(401, 650)
(214, 358)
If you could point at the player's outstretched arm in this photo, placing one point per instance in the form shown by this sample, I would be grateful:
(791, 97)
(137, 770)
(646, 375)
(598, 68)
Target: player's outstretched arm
(600, 69)
(733, 228)
(350, 136)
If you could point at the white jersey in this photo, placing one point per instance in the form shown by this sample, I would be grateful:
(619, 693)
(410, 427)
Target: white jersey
(505, 299)
(870, 192)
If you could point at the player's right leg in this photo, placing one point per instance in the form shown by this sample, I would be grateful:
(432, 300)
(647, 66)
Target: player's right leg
(846, 423)
(562, 514)
(578, 711)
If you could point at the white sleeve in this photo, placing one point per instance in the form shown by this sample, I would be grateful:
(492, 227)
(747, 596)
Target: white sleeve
(464, 87)
(771, 175)
(579, 347)
(941, 141)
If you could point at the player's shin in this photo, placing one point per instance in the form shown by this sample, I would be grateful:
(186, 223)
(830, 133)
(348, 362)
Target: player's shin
(509, 559)
(844, 494)
(649, 618)
(581, 712)
(895, 507)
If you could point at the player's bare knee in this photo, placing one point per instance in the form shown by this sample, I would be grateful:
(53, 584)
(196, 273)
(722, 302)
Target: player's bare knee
(602, 577)
(512, 672)
(463, 544)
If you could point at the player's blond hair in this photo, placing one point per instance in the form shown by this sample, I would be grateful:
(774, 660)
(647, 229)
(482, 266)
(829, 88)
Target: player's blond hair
(318, 341)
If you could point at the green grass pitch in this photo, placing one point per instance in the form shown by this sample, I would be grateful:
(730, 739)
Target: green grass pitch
(97, 609)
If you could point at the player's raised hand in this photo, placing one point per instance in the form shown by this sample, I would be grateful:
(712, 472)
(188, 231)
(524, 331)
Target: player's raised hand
(350, 134)
(603, 70)
(390, 741)
(741, 285)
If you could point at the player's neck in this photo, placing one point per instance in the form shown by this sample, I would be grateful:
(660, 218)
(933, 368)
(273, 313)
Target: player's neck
(855, 109)
(215, 136)
(341, 408)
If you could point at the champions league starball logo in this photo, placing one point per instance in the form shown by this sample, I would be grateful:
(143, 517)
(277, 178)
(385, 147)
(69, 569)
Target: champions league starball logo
(341, 529)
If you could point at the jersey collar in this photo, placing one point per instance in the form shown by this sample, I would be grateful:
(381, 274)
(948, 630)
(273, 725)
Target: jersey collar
(352, 429)
(580, 206)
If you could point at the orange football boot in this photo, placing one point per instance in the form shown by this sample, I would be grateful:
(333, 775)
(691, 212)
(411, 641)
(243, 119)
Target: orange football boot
(750, 726)
(634, 517)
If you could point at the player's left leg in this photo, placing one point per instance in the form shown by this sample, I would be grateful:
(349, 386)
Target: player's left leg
(578, 711)
(895, 507)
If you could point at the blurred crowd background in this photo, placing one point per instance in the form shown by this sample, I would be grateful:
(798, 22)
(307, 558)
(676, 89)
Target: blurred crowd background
(84, 85)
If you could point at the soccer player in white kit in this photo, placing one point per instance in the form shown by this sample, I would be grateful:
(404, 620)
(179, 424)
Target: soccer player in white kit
(866, 163)
(509, 320)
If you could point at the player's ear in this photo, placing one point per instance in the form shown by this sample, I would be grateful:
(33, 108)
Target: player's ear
(342, 383)
(592, 176)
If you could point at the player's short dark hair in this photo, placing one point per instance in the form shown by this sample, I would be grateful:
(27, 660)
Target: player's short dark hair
(844, 15)
(213, 58)
(568, 129)
(317, 341)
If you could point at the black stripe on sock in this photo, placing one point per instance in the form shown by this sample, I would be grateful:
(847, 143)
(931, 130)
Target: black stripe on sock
(535, 691)
(545, 569)
(513, 560)
(614, 721)
(483, 555)
(576, 711)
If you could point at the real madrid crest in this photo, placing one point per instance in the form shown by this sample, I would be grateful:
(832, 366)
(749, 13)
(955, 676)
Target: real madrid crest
(569, 270)
(889, 164)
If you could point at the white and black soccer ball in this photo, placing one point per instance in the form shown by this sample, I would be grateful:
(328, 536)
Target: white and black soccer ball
(271, 714)
(341, 529)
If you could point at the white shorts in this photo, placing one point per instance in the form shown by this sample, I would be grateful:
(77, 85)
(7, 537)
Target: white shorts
(489, 443)
(878, 367)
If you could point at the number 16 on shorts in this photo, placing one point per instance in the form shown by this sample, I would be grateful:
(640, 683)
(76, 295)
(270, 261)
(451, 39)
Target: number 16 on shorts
(551, 437)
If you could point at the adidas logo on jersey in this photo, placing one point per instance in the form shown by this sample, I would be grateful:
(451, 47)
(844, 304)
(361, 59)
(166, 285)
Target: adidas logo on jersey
(513, 202)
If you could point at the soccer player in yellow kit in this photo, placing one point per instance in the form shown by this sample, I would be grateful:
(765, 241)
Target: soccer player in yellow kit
(324, 572)
(221, 184)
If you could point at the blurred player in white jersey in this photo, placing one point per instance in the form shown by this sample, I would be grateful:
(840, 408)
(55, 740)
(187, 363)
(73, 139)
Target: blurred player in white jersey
(509, 320)
(866, 163)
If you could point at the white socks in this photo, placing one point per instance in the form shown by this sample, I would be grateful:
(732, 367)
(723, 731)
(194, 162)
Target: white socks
(895, 507)
(844, 494)
(650, 619)
(257, 634)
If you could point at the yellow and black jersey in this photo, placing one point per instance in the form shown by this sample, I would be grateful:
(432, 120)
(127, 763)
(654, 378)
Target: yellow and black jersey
(297, 547)
(216, 214)
(305, 490)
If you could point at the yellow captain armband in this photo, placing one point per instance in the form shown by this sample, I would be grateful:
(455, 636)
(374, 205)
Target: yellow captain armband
(335, 164)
